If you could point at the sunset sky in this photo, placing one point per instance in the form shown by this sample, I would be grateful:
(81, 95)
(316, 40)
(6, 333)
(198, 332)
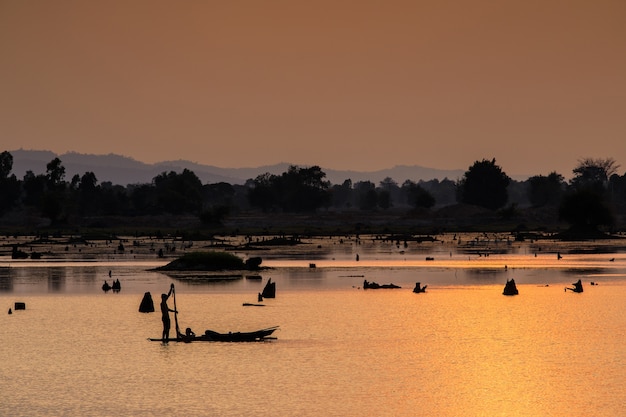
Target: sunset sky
(352, 84)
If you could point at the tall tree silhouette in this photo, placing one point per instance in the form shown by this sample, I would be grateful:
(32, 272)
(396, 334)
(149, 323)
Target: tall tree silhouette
(484, 184)
(9, 184)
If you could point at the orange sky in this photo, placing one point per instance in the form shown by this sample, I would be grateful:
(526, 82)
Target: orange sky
(349, 84)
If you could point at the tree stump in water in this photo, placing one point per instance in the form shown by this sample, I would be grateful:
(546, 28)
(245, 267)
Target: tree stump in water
(147, 305)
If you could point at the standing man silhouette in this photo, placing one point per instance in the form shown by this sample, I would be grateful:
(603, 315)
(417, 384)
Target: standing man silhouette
(165, 314)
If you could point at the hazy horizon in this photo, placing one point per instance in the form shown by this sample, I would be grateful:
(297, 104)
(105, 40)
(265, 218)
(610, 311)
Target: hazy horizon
(72, 152)
(349, 85)
(121, 169)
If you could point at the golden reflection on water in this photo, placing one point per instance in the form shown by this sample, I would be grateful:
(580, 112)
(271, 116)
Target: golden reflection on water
(509, 261)
(452, 351)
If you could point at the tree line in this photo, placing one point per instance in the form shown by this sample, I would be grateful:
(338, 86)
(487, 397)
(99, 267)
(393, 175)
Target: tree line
(591, 199)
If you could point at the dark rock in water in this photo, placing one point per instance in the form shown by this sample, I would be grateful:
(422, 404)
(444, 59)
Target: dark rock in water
(254, 262)
(510, 288)
(147, 305)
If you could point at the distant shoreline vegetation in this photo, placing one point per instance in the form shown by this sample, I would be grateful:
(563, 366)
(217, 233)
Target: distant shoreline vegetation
(302, 201)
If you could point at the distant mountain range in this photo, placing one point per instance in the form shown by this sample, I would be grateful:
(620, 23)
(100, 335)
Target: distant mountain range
(121, 170)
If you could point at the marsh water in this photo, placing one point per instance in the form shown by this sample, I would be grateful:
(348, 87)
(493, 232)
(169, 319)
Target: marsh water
(460, 348)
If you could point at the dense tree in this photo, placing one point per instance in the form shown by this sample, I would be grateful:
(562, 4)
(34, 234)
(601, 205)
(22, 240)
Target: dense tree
(485, 185)
(74, 182)
(342, 194)
(365, 193)
(261, 192)
(443, 192)
(586, 207)
(9, 184)
(296, 190)
(9, 193)
(585, 210)
(303, 189)
(384, 199)
(113, 199)
(33, 188)
(88, 193)
(143, 199)
(178, 193)
(54, 201)
(517, 194)
(417, 196)
(593, 173)
(218, 194)
(617, 190)
(6, 164)
(217, 202)
(51, 206)
(390, 187)
(88, 183)
(388, 184)
(55, 173)
(546, 191)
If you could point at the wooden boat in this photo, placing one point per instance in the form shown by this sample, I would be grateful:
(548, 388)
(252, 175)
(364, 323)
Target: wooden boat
(213, 336)
(256, 336)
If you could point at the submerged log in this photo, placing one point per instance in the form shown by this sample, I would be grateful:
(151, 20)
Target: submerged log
(375, 285)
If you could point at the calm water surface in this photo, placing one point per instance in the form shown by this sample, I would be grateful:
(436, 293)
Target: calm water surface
(460, 349)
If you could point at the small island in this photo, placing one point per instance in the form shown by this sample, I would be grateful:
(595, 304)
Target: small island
(211, 261)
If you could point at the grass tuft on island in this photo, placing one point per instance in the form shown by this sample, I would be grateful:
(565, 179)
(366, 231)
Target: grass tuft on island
(206, 261)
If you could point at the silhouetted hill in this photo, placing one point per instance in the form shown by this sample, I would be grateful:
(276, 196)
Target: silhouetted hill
(123, 170)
